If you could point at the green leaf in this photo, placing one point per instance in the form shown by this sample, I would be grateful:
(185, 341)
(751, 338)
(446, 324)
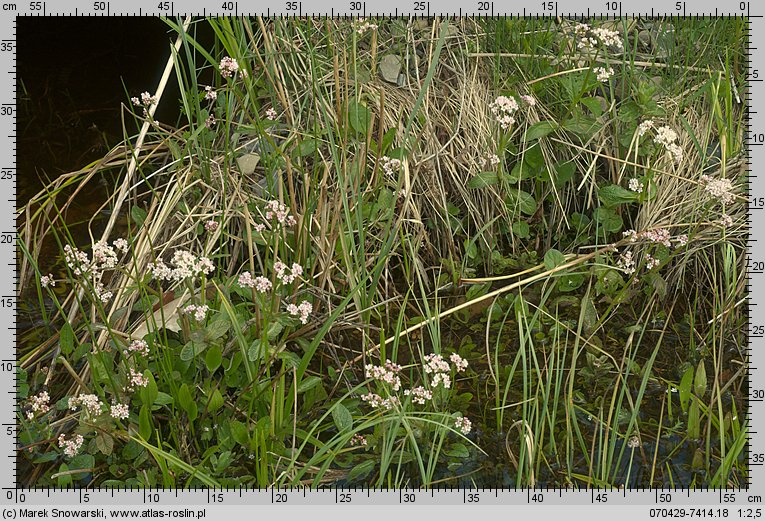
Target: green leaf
(214, 358)
(524, 201)
(694, 421)
(700, 381)
(217, 328)
(274, 329)
(66, 338)
(163, 399)
(256, 351)
(539, 130)
(614, 195)
(458, 450)
(104, 443)
(521, 229)
(307, 147)
(192, 349)
(342, 417)
(239, 432)
(564, 172)
(570, 282)
(554, 258)
(86, 462)
(609, 220)
(359, 117)
(216, 401)
(594, 106)
(581, 125)
(308, 383)
(144, 423)
(138, 214)
(685, 388)
(185, 399)
(150, 392)
(483, 179)
(361, 471)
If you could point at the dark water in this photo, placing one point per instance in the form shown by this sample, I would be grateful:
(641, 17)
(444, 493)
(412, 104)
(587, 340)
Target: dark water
(73, 76)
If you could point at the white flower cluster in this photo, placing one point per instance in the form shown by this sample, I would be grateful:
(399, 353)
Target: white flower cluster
(72, 446)
(104, 258)
(47, 280)
(88, 402)
(390, 166)
(365, 26)
(658, 236)
(666, 137)
(636, 185)
(146, 100)
(720, 189)
(588, 37)
(602, 74)
(120, 411)
(39, 403)
(302, 310)
(463, 424)
(626, 263)
(185, 265)
(210, 94)
(419, 394)
(644, 127)
(271, 114)
(503, 108)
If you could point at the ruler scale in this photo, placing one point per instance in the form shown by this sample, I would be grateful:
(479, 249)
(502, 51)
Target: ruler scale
(732, 503)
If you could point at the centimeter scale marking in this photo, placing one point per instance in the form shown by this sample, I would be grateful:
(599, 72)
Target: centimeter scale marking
(743, 499)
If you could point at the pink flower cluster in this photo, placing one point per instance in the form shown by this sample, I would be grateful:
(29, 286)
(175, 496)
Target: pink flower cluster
(287, 275)
(376, 401)
(228, 67)
(387, 374)
(185, 265)
(210, 94)
(658, 236)
(359, 440)
(146, 100)
(72, 446)
(137, 380)
(262, 284)
(278, 211)
(271, 114)
(139, 346)
(198, 312)
(302, 310)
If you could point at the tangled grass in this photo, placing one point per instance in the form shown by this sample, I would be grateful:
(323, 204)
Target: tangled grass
(455, 302)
